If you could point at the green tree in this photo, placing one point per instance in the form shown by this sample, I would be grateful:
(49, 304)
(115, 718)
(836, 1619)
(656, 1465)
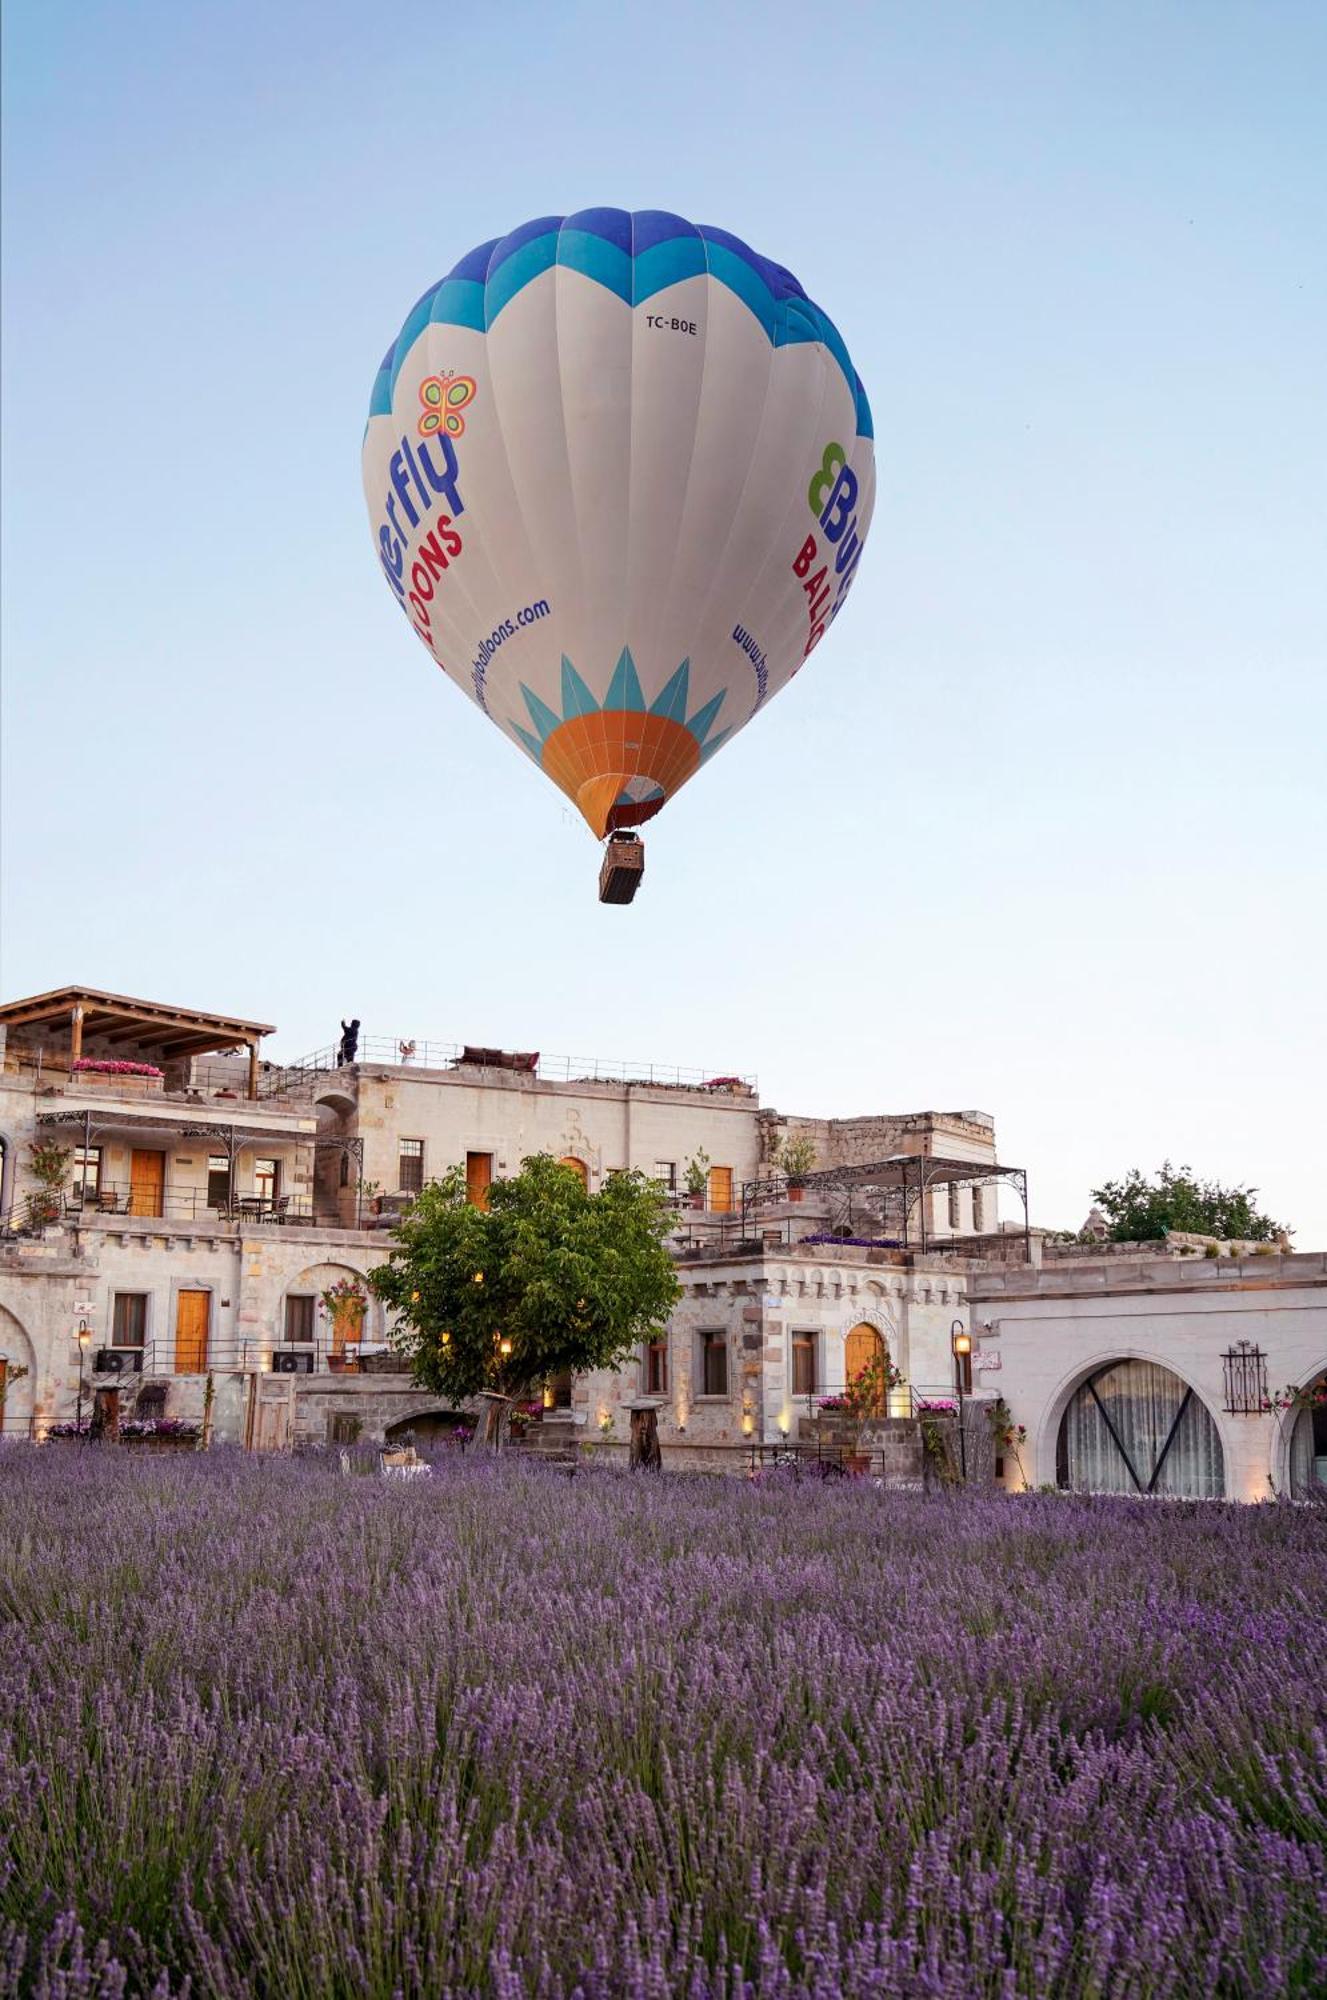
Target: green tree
(1142, 1210)
(548, 1277)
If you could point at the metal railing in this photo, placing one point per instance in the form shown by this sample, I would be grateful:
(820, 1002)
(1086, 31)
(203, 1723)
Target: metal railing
(111, 1200)
(411, 1052)
(906, 1399)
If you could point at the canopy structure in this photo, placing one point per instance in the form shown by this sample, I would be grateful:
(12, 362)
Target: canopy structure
(893, 1189)
(115, 1018)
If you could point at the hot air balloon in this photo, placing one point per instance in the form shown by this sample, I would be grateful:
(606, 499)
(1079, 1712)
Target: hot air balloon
(619, 472)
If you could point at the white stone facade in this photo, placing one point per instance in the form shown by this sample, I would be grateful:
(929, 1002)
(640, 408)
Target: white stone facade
(1052, 1328)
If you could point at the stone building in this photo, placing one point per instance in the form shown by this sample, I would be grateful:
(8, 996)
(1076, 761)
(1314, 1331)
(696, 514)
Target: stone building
(204, 1245)
(207, 1203)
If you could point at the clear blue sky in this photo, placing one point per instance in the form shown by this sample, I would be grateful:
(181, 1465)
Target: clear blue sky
(1072, 872)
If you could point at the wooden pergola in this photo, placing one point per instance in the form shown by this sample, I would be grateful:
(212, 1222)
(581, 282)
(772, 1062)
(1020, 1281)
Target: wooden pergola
(115, 1017)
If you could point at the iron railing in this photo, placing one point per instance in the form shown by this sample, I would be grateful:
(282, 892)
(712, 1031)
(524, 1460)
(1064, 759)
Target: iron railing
(412, 1052)
(111, 1201)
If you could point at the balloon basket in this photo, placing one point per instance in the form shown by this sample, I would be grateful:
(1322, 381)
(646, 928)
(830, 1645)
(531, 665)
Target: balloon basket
(623, 867)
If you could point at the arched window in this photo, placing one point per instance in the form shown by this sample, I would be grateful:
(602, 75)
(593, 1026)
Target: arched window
(577, 1167)
(1134, 1427)
(1308, 1445)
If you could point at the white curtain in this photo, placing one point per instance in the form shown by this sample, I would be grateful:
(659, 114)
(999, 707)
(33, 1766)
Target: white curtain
(1308, 1450)
(1142, 1402)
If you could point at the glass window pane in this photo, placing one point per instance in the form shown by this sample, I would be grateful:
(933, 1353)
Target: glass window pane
(129, 1322)
(716, 1365)
(804, 1364)
(1134, 1427)
(299, 1318)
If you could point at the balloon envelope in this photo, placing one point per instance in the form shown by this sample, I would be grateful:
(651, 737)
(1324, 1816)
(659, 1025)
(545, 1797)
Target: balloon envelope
(619, 472)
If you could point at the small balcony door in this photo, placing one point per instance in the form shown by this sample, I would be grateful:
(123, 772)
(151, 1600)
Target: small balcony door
(147, 1182)
(721, 1190)
(191, 1316)
(478, 1178)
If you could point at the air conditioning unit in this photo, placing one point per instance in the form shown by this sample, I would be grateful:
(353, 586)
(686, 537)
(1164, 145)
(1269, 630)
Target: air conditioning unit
(118, 1361)
(290, 1361)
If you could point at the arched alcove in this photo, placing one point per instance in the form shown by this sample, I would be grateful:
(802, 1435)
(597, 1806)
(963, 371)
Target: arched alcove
(1133, 1426)
(18, 1373)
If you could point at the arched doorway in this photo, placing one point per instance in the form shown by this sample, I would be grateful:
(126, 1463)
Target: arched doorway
(427, 1427)
(862, 1349)
(1308, 1442)
(1135, 1427)
(577, 1167)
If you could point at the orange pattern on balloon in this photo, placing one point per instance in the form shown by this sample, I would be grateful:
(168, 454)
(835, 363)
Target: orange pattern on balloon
(593, 757)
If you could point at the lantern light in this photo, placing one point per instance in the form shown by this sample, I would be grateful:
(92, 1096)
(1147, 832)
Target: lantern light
(504, 1347)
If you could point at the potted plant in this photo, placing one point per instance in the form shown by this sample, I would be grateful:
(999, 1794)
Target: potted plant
(698, 1177)
(866, 1399)
(797, 1157)
(1007, 1436)
(49, 1166)
(345, 1303)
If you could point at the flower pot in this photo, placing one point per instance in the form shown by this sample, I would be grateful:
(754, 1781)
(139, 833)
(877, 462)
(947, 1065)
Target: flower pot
(795, 1190)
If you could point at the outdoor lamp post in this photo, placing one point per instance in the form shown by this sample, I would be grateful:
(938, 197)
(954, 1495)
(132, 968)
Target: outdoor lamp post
(961, 1342)
(84, 1336)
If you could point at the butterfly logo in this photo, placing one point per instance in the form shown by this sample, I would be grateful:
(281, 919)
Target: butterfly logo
(444, 397)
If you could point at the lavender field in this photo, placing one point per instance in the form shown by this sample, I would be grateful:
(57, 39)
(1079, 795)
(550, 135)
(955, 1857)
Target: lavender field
(267, 1730)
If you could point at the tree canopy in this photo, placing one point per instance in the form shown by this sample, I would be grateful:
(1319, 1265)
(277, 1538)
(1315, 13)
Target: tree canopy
(548, 1277)
(1141, 1210)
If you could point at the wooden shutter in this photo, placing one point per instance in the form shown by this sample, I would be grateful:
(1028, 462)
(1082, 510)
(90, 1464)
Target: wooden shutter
(721, 1190)
(478, 1178)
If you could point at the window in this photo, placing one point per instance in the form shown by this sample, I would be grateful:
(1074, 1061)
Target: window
(804, 1364)
(979, 1208)
(656, 1367)
(721, 1190)
(665, 1171)
(714, 1364)
(299, 1319)
(953, 1205)
(218, 1181)
(129, 1319)
(410, 1166)
(578, 1167)
(266, 1178)
(1134, 1427)
(86, 1173)
(478, 1178)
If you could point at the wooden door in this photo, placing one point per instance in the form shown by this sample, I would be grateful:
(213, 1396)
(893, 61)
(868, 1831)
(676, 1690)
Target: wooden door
(721, 1190)
(191, 1314)
(273, 1412)
(348, 1325)
(577, 1167)
(862, 1347)
(147, 1182)
(478, 1178)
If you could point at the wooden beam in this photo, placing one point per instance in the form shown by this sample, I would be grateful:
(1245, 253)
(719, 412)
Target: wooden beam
(75, 1034)
(253, 1069)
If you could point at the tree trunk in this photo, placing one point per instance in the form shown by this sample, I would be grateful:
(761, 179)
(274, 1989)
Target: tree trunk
(645, 1453)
